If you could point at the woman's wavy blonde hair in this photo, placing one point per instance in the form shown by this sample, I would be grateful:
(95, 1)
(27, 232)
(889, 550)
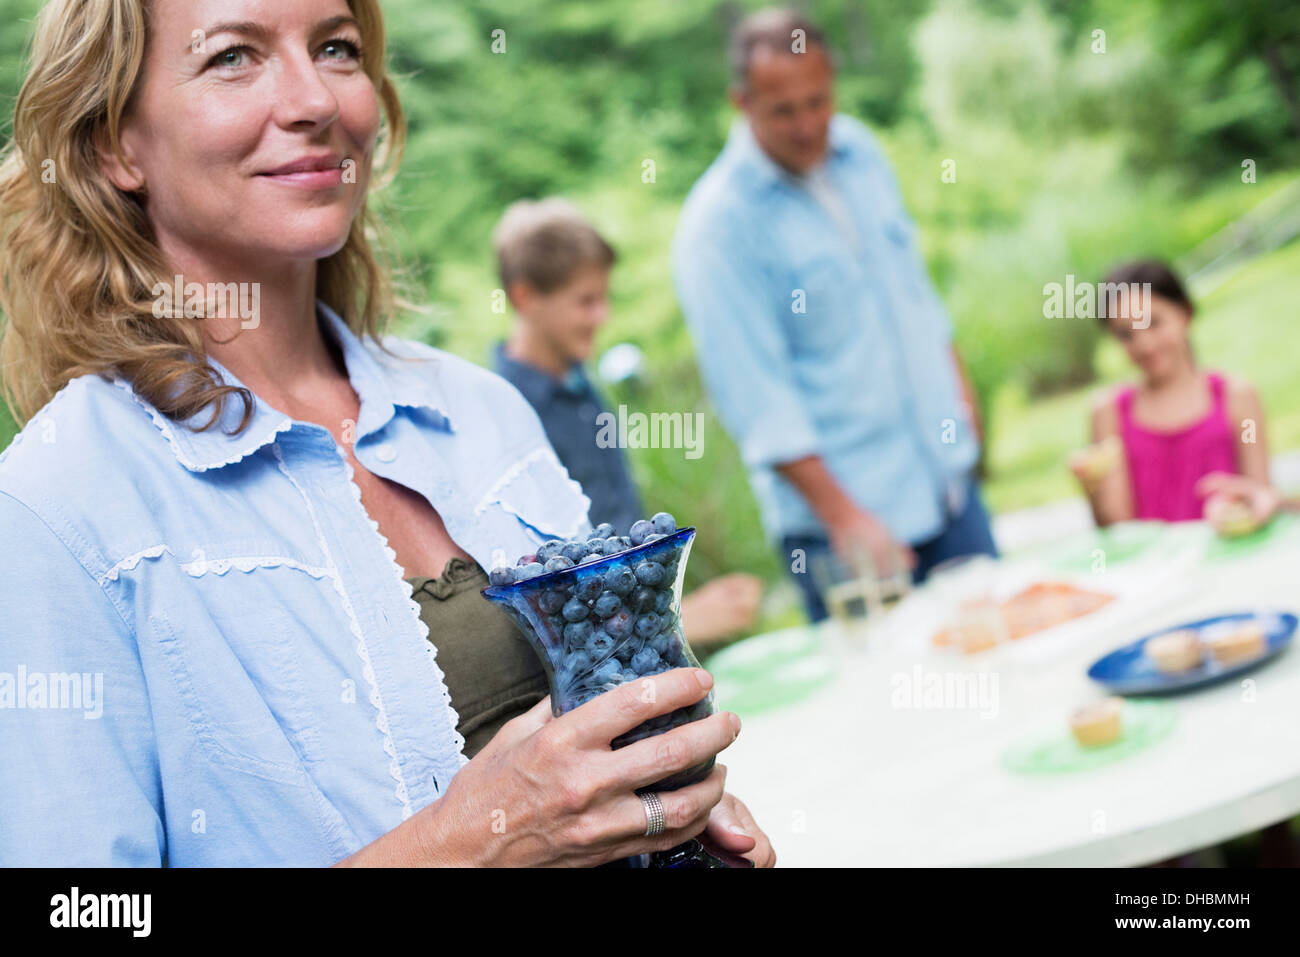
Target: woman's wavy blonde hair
(78, 261)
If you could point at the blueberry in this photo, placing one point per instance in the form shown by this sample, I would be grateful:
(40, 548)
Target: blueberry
(576, 633)
(630, 674)
(607, 603)
(526, 560)
(664, 523)
(645, 661)
(589, 587)
(640, 529)
(662, 644)
(620, 580)
(641, 600)
(647, 625)
(549, 549)
(531, 570)
(591, 557)
(608, 671)
(603, 530)
(501, 575)
(625, 651)
(578, 662)
(625, 541)
(575, 610)
(649, 573)
(557, 563)
(612, 546)
(599, 645)
(551, 601)
(668, 623)
(663, 599)
(653, 537)
(619, 625)
(574, 551)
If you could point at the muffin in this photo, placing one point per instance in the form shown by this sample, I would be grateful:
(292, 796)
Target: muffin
(1241, 644)
(1098, 724)
(1176, 652)
(1098, 460)
(1232, 519)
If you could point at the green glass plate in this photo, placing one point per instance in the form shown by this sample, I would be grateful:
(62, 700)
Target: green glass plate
(1144, 722)
(770, 671)
(1275, 531)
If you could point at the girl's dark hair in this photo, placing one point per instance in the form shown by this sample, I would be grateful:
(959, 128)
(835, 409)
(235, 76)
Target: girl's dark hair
(1161, 276)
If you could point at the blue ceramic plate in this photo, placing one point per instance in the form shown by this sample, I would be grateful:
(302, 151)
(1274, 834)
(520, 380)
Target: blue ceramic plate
(1128, 671)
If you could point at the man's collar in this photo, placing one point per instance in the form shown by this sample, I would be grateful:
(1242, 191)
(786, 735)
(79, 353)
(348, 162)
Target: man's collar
(765, 170)
(535, 385)
(381, 383)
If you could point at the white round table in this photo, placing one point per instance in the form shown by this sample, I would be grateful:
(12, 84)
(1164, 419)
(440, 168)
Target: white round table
(859, 775)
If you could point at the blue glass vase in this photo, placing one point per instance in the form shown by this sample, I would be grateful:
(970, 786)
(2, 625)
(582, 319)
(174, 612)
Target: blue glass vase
(608, 622)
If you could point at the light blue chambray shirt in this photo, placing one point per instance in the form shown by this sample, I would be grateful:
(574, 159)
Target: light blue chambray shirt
(266, 692)
(812, 341)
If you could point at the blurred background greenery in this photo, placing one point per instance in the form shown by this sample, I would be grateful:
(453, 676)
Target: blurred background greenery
(1073, 149)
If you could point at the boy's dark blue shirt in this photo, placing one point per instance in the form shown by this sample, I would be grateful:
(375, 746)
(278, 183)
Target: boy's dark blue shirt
(569, 411)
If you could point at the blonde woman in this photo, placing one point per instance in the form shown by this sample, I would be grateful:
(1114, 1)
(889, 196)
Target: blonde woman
(227, 485)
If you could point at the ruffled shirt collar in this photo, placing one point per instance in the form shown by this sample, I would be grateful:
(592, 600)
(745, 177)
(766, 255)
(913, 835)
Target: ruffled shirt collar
(382, 384)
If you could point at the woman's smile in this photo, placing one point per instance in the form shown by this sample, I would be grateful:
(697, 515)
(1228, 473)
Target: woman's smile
(321, 172)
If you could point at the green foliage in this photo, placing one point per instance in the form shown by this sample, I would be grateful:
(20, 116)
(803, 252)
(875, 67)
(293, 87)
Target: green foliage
(1067, 160)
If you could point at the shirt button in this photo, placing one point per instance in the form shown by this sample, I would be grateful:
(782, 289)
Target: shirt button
(385, 452)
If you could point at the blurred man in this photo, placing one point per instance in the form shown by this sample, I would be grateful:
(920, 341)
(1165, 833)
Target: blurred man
(826, 350)
(554, 267)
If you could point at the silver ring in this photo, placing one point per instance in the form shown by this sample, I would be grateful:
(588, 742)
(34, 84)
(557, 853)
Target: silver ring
(654, 814)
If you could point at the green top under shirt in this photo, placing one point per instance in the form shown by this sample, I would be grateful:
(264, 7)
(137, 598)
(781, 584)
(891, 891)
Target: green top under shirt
(491, 672)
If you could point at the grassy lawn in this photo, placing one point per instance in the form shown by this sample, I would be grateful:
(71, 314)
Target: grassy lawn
(1244, 326)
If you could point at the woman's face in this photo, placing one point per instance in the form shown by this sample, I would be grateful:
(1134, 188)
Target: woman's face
(219, 115)
(1159, 348)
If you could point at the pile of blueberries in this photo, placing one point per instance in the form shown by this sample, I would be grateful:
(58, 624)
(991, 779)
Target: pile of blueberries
(610, 624)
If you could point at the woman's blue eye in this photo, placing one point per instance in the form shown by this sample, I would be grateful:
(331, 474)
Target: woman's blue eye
(351, 48)
(219, 59)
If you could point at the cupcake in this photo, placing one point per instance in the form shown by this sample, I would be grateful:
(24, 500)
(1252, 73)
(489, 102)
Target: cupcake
(1096, 725)
(1232, 519)
(1175, 652)
(1240, 644)
(1098, 460)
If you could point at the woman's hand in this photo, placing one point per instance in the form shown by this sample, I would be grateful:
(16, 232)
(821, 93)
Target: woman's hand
(732, 828)
(550, 791)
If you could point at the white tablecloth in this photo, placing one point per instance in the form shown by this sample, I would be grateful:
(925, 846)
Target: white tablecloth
(853, 776)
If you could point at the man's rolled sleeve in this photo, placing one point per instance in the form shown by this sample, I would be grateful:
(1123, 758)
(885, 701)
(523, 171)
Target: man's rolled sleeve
(80, 779)
(741, 350)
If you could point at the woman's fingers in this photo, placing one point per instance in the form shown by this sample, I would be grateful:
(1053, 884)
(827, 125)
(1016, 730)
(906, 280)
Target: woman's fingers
(728, 829)
(686, 814)
(761, 853)
(654, 758)
(604, 718)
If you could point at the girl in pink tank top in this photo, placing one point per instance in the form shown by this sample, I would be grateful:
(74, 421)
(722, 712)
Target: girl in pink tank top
(1164, 466)
(1179, 424)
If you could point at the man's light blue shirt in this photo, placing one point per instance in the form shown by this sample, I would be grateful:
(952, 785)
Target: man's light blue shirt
(812, 343)
(208, 654)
